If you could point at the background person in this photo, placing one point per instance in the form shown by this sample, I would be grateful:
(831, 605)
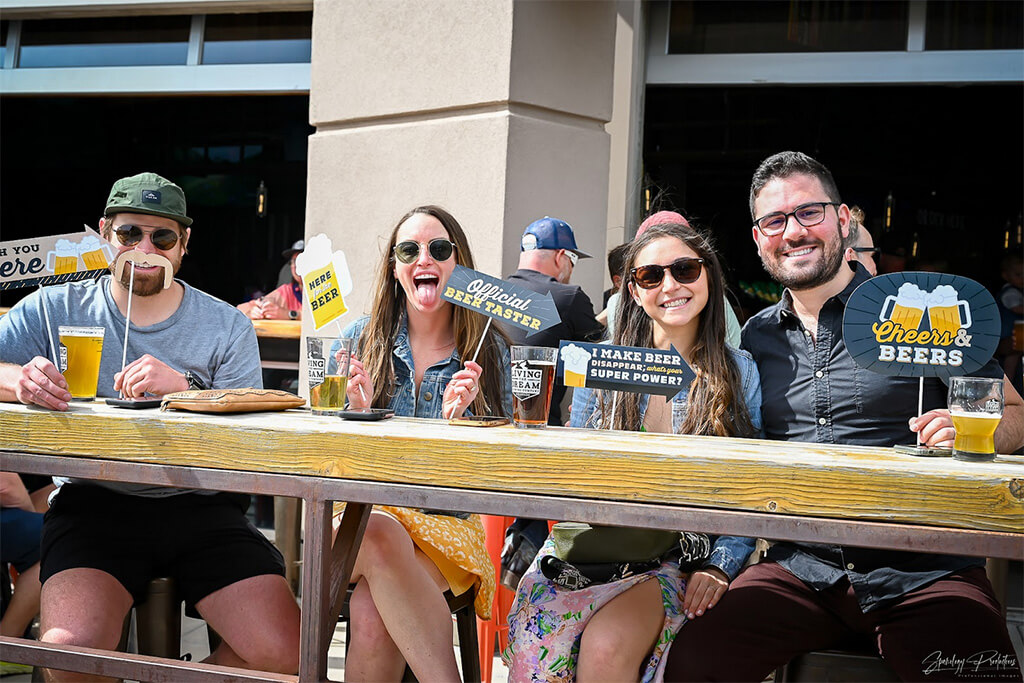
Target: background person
(616, 259)
(860, 246)
(908, 606)
(21, 526)
(285, 302)
(622, 629)
(104, 541)
(413, 356)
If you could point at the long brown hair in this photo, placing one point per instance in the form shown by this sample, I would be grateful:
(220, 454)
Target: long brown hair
(715, 400)
(377, 342)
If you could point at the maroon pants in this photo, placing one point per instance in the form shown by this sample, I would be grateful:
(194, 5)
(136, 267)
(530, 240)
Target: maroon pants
(949, 630)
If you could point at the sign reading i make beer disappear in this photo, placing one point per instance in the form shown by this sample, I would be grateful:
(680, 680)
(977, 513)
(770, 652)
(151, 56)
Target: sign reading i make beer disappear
(54, 259)
(623, 368)
(516, 306)
(921, 325)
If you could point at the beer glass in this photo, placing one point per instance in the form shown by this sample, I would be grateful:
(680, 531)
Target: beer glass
(908, 307)
(533, 376)
(81, 349)
(976, 406)
(327, 388)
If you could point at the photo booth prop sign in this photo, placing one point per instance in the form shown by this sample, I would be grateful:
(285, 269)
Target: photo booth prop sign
(325, 280)
(39, 261)
(503, 301)
(623, 368)
(916, 324)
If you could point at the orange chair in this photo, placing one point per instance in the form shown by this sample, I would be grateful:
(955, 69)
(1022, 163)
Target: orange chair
(497, 625)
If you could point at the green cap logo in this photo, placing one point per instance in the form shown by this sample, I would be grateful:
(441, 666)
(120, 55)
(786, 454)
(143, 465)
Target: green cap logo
(150, 194)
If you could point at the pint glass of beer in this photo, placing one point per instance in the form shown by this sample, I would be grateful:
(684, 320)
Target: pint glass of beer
(327, 381)
(81, 349)
(976, 406)
(533, 376)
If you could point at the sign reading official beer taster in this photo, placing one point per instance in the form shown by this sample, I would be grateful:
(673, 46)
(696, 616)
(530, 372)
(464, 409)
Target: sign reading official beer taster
(623, 368)
(54, 259)
(505, 302)
(921, 325)
(325, 280)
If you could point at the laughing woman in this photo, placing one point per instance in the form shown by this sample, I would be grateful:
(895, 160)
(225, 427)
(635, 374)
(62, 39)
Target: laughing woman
(412, 357)
(621, 630)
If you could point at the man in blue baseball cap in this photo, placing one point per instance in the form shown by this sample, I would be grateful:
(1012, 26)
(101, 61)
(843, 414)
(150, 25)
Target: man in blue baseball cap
(548, 255)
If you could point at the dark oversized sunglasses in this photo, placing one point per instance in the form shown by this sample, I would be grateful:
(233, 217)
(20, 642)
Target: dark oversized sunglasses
(439, 249)
(684, 271)
(162, 238)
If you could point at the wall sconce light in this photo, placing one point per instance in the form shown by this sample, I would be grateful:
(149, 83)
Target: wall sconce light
(261, 200)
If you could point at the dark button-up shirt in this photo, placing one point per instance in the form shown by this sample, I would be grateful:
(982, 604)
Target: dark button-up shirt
(812, 390)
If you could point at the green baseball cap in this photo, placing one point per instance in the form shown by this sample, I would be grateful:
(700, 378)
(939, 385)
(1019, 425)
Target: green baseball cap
(150, 194)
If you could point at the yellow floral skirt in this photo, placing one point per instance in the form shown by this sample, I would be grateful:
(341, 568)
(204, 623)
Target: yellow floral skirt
(457, 546)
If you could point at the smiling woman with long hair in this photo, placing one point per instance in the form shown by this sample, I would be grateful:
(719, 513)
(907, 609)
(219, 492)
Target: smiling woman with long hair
(413, 357)
(672, 296)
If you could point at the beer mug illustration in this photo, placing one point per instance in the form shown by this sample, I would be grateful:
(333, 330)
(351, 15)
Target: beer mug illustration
(945, 312)
(908, 307)
(95, 254)
(64, 257)
(574, 363)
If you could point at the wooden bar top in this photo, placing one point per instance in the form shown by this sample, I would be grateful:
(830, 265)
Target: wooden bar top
(278, 329)
(845, 482)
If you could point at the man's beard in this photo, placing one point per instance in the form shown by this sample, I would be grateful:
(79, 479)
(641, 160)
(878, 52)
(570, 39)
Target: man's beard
(146, 284)
(826, 267)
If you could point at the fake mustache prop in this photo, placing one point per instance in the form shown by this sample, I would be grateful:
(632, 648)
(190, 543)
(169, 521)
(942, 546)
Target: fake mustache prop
(143, 259)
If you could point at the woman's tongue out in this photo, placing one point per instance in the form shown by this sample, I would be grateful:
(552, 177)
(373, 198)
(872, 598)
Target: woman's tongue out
(427, 289)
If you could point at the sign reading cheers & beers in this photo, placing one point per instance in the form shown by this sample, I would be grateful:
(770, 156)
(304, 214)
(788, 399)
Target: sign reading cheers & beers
(921, 325)
(325, 280)
(623, 368)
(52, 260)
(503, 301)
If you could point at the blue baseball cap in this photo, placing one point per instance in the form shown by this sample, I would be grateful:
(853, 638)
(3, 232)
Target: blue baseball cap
(550, 233)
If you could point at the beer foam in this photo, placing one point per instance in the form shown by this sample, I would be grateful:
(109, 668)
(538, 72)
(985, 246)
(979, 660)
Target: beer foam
(575, 357)
(942, 296)
(88, 243)
(984, 416)
(66, 248)
(911, 295)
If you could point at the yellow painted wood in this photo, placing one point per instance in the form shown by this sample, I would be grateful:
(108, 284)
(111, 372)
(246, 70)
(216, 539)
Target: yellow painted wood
(766, 476)
(278, 329)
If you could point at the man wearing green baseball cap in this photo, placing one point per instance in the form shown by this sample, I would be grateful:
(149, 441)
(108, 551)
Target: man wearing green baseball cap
(104, 541)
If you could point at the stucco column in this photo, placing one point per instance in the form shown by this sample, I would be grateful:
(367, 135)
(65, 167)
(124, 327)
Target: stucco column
(494, 109)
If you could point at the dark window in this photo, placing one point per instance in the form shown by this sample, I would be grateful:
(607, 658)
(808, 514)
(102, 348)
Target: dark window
(120, 41)
(980, 25)
(4, 25)
(268, 38)
(714, 27)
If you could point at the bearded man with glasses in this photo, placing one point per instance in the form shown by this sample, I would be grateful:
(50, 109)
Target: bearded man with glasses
(917, 610)
(104, 541)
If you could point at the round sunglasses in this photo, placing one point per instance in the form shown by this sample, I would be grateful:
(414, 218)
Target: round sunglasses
(439, 249)
(162, 238)
(684, 271)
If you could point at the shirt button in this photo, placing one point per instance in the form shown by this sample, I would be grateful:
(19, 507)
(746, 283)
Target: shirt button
(428, 396)
(850, 566)
(819, 373)
(822, 420)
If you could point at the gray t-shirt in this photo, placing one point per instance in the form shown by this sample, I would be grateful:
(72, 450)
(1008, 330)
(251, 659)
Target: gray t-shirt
(205, 335)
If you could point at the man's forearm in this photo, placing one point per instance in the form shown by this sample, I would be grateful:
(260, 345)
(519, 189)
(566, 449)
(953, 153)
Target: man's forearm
(9, 375)
(1009, 435)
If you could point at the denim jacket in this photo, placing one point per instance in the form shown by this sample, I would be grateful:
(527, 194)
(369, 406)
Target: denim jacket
(428, 404)
(729, 552)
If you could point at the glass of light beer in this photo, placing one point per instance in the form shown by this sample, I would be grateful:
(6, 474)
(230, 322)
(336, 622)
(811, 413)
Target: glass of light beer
(81, 349)
(976, 406)
(533, 376)
(327, 366)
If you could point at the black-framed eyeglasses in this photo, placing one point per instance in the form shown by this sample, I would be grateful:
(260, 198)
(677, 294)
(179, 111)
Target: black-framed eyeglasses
(162, 238)
(684, 271)
(807, 215)
(439, 249)
(874, 251)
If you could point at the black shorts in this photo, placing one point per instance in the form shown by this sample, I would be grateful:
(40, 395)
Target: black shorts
(203, 542)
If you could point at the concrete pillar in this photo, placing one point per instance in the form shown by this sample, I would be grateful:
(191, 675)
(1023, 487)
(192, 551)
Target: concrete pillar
(495, 110)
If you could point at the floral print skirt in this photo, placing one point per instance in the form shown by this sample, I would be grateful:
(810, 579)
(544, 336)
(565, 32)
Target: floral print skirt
(546, 623)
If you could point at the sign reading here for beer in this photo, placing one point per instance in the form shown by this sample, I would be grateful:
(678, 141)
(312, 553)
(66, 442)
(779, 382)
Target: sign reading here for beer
(921, 325)
(53, 260)
(623, 368)
(505, 302)
(325, 280)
